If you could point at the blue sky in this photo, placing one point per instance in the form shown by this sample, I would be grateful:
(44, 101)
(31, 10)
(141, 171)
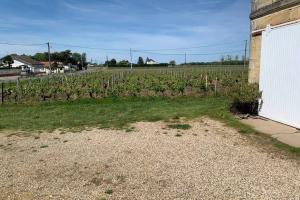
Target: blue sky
(124, 24)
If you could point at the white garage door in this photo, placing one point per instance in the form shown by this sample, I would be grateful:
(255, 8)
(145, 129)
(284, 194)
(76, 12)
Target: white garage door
(280, 75)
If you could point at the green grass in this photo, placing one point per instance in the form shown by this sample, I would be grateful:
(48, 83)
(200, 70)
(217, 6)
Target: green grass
(110, 113)
(180, 126)
(121, 112)
(109, 191)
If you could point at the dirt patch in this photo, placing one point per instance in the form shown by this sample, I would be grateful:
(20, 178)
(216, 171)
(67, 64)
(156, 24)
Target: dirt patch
(208, 161)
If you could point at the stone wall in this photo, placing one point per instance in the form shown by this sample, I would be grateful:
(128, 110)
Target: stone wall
(276, 18)
(258, 4)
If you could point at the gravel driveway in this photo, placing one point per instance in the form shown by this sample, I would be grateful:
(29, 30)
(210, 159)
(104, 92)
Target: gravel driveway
(208, 161)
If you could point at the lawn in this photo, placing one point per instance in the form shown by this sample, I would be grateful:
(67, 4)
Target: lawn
(119, 113)
(112, 113)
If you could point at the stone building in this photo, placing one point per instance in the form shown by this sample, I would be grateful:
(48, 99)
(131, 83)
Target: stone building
(272, 13)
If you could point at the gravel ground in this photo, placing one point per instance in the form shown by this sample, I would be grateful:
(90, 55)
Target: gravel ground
(208, 161)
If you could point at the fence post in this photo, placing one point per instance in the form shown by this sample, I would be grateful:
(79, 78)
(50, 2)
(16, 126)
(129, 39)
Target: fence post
(18, 89)
(2, 93)
(216, 86)
(206, 82)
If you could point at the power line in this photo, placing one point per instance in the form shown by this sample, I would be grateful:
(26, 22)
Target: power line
(217, 53)
(171, 49)
(122, 50)
(192, 54)
(157, 53)
(85, 47)
(21, 44)
(154, 51)
(195, 47)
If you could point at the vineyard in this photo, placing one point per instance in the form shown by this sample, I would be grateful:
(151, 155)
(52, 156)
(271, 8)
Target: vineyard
(205, 81)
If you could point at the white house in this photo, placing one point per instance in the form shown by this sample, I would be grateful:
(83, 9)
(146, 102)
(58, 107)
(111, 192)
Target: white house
(27, 62)
(150, 62)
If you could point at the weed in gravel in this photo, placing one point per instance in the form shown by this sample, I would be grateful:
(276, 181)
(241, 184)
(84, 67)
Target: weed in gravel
(44, 146)
(96, 181)
(62, 132)
(36, 137)
(121, 178)
(178, 135)
(11, 135)
(109, 191)
(180, 126)
(131, 129)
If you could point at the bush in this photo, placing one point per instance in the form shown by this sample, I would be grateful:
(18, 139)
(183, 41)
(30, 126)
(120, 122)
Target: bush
(245, 98)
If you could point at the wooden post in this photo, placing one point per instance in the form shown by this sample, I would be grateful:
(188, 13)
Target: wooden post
(216, 81)
(2, 93)
(18, 89)
(206, 82)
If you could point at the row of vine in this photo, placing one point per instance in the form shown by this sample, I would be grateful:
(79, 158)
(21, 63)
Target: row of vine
(103, 84)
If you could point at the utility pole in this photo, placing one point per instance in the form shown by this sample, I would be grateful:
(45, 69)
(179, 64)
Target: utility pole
(245, 56)
(130, 58)
(49, 56)
(185, 58)
(107, 61)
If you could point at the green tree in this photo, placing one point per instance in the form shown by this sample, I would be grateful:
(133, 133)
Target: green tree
(140, 61)
(172, 62)
(111, 62)
(40, 57)
(8, 60)
(76, 58)
(55, 56)
(65, 56)
(84, 59)
(124, 62)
